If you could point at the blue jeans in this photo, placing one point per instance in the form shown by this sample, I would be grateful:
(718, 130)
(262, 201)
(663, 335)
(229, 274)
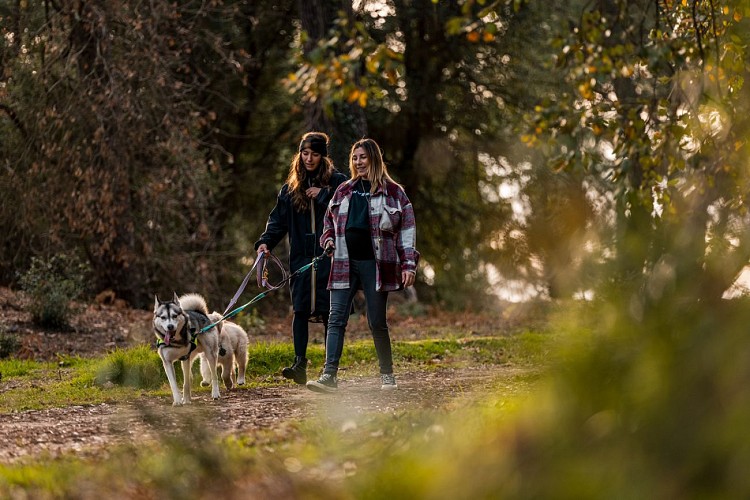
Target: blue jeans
(361, 273)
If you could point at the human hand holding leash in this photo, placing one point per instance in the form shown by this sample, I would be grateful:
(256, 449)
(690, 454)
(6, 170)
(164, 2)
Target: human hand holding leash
(312, 192)
(262, 249)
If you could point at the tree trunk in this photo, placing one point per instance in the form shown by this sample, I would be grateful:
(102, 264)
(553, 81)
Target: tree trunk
(343, 122)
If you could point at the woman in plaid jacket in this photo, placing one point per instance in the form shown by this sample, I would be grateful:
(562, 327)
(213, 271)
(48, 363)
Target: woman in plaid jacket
(369, 226)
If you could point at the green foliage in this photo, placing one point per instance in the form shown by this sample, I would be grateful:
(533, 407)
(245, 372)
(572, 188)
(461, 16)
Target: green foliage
(652, 121)
(250, 321)
(11, 367)
(424, 351)
(138, 367)
(636, 407)
(52, 284)
(163, 188)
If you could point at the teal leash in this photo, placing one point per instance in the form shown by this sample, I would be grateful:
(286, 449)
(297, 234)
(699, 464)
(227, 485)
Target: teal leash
(264, 294)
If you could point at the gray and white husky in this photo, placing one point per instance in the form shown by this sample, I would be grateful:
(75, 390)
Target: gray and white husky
(177, 325)
(232, 353)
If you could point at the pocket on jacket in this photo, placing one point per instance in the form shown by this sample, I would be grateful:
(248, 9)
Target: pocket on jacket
(390, 219)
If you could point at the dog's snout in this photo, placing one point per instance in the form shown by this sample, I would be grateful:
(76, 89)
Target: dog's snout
(170, 327)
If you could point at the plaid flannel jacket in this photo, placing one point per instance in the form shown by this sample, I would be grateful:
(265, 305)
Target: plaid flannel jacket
(392, 228)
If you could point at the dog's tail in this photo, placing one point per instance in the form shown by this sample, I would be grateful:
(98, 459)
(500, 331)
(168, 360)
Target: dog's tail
(194, 302)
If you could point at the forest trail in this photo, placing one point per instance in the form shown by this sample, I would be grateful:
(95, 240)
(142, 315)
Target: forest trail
(255, 413)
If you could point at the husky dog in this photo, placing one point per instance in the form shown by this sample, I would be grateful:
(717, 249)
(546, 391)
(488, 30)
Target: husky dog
(177, 324)
(232, 353)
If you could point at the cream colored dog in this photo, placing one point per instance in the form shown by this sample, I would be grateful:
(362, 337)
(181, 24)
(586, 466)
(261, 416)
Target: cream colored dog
(232, 354)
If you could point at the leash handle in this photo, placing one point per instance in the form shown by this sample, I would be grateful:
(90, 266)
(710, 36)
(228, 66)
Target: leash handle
(262, 278)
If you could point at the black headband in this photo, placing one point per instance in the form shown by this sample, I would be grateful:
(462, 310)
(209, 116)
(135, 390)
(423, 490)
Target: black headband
(316, 143)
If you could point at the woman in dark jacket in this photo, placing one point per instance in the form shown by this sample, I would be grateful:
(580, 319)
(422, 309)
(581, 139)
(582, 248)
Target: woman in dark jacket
(298, 213)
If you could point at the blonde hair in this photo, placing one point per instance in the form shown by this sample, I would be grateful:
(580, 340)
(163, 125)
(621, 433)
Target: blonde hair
(298, 174)
(378, 173)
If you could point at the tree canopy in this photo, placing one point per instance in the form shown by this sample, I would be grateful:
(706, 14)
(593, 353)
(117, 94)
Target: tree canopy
(541, 144)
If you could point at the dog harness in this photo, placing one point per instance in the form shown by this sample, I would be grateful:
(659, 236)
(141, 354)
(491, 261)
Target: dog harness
(192, 335)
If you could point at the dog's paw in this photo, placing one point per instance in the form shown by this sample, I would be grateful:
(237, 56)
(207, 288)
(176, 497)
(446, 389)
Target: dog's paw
(205, 383)
(177, 403)
(241, 382)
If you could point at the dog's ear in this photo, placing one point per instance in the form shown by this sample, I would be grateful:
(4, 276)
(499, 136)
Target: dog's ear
(156, 302)
(175, 299)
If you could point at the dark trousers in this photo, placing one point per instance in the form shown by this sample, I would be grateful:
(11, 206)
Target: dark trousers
(301, 331)
(361, 273)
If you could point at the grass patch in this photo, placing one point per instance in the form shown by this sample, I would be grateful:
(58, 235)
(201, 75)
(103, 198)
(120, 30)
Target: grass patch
(524, 349)
(19, 367)
(136, 367)
(266, 358)
(42, 395)
(127, 373)
(424, 350)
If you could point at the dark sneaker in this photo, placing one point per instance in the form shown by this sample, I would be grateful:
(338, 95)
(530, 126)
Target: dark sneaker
(326, 383)
(388, 382)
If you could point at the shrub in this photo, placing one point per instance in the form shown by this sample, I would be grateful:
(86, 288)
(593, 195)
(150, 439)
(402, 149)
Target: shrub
(138, 367)
(52, 284)
(250, 320)
(9, 344)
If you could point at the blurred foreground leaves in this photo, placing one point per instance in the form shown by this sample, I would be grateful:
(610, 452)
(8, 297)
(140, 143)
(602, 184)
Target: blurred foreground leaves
(655, 408)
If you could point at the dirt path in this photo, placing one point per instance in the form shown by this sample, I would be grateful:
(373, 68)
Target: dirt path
(98, 328)
(89, 430)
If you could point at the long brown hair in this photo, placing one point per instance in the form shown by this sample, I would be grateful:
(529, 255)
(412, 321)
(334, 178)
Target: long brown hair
(378, 173)
(297, 180)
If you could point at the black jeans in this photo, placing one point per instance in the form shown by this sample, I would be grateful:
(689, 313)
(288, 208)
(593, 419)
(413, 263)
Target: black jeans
(361, 273)
(301, 332)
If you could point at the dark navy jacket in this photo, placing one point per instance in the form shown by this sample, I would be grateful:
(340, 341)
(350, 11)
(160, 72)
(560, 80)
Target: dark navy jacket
(303, 244)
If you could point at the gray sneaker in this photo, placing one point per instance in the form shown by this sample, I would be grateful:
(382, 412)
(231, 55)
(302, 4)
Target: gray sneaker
(326, 383)
(388, 382)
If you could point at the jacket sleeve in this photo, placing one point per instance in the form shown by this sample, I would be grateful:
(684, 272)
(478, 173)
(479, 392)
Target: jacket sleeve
(407, 236)
(277, 224)
(329, 225)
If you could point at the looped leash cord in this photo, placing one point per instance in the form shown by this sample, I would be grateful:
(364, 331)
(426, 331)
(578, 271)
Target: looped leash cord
(261, 295)
(262, 277)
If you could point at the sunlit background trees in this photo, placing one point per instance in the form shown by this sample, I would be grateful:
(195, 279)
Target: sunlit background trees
(548, 148)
